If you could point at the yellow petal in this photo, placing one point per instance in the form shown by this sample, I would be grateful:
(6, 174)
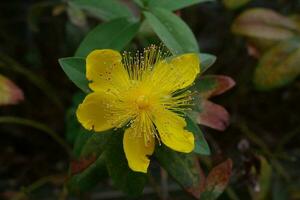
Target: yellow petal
(171, 130)
(137, 149)
(94, 113)
(177, 72)
(105, 70)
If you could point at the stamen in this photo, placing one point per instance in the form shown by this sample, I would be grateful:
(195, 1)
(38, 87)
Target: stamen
(143, 126)
(140, 65)
(133, 107)
(179, 103)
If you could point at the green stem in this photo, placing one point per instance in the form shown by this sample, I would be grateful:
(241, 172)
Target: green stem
(286, 138)
(25, 191)
(265, 149)
(39, 126)
(231, 193)
(254, 138)
(40, 83)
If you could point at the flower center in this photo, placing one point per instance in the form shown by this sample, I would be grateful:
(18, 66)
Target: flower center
(143, 102)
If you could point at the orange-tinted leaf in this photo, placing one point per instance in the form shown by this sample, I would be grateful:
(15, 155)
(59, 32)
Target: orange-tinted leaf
(217, 180)
(279, 66)
(10, 94)
(264, 23)
(78, 166)
(213, 85)
(197, 189)
(213, 116)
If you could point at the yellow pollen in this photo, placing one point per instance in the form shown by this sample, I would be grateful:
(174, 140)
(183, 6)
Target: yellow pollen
(143, 102)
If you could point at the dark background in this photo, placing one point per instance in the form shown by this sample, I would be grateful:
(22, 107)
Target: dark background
(262, 123)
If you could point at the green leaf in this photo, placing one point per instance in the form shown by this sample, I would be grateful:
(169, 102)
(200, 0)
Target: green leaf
(96, 143)
(278, 66)
(205, 85)
(217, 180)
(89, 178)
(172, 30)
(279, 188)
(115, 34)
(89, 168)
(140, 3)
(72, 125)
(201, 146)
(75, 70)
(105, 10)
(82, 137)
(265, 24)
(98, 153)
(184, 168)
(108, 149)
(130, 182)
(75, 133)
(173, 4)
(234, 4)
(206, 60)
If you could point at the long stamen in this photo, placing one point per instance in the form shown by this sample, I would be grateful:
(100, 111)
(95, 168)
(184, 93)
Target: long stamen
(141, 65)
(133, 106)
(179, 103)
(143, 126)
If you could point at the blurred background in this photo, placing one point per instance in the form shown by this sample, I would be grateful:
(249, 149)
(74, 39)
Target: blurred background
(256, 48)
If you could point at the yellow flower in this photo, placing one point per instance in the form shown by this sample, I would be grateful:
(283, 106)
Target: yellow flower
(145, 93)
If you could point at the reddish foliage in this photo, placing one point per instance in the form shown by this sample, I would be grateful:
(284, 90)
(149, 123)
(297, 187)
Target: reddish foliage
(219, 176)
(213, 116)
(197, 189)
(78, 166)
(10, 93)
(223, 84)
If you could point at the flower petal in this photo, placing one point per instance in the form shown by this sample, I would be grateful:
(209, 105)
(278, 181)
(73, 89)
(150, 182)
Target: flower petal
(136, 150)
(93, 112)
(105, 70)
(172, 133)
(177, 72)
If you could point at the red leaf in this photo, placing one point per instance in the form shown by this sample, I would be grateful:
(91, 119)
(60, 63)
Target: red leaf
(213, 116)
(217, 180)
(78, 166)
(10, 94)
(265, 24)
(219, 175)
(196, 190)
(213, 85)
